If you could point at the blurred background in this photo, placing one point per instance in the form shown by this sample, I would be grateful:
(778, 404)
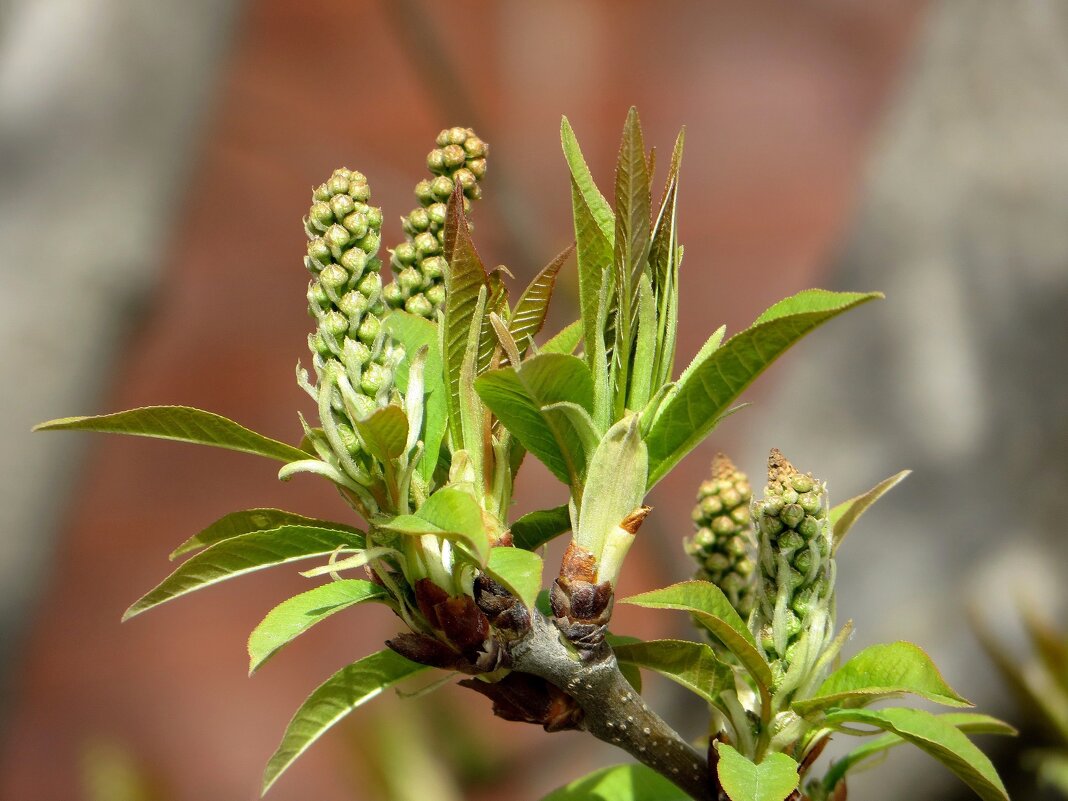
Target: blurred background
(155, 163)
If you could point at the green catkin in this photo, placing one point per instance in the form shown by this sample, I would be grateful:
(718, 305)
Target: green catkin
(418, 263)
(353, 359)
(796, 568)
(723, 544)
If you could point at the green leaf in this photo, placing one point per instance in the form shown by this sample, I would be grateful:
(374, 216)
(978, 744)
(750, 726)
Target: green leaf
(414, 333)
(772, 780)
(516, 397)
(384, 432)
(246, 553)
(643, 374)
(463, 281)
(246, 522)
(496, 303)
(337, 697)
(967, 722)
(580, 174)
(882, 671)
(183, 424)
(296, 615)
(846, 513)
(713, 385)
(565, 341)
(631, 247)
(620, 783)
(534, 529)
(937, 737)
(664, 268)
(450, 513)
(518, 570)
(615, 487)
(692, 664)
(529, 314)
(707, 603)
(594, 234)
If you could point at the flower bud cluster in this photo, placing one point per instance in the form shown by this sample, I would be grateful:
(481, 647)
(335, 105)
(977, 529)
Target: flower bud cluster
(418, 263)
(796, 566)
(723, 545)
(349, 347)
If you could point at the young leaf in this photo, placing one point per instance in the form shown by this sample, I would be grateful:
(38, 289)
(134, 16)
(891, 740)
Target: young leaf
(450, 513)
(496, 303)
(772, 780)
(594, 234)
(630, 782)
(967, 722)
(337, 697)
(464, 279)
(692, 664)
(583, 180)
(516, 397)
(534, 529)
(846, 513)
(937, 737)
(614, 488)
(565, 341)
(713, 385)
(631, 249)
(643, 375)
(415, 333)
(882, 671)
(246, 522)
(711, 608)
(294, 616)
(183, 424)
(529, 314)
(518, 570)
(247, 553)
(384, 432)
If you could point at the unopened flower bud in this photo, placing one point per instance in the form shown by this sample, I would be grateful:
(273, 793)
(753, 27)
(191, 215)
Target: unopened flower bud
(723, 543)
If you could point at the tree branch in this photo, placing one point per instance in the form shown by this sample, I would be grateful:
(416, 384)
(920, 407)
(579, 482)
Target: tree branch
(613, 711)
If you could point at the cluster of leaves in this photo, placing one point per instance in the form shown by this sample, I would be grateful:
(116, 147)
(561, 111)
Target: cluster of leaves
(1041, 685)
(472, 395)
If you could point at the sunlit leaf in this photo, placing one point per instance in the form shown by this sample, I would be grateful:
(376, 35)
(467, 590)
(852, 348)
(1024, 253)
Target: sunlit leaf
(967, 722)
(620, 783)
(882, 671)
(772, 780)
(529, 314)
(714, 385)
(182, 424)
(846, 513)
(937, 737)
(518, 570)
(294, 616)
(692, 664)
(337, 697)
(246, 553)
(247, 522)
(516, 397)
(707, 603)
